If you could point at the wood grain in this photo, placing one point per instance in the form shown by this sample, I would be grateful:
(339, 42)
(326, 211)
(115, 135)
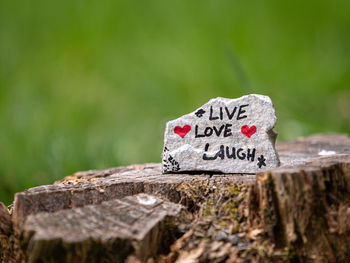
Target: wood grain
(140, 225)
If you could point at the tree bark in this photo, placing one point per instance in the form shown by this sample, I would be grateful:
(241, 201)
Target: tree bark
(307, 207)
(6, 237)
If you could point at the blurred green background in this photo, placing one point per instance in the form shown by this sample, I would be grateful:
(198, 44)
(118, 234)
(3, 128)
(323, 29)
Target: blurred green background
(91, 84)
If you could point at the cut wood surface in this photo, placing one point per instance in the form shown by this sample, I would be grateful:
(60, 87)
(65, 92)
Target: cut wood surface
(297, 212)
(93, 187)
(140, 225)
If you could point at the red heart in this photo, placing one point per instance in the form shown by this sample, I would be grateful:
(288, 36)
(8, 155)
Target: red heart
(248, 131)
(182, 131)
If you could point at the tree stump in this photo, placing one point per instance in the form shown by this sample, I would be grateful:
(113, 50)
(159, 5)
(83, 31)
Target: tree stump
(298, 212)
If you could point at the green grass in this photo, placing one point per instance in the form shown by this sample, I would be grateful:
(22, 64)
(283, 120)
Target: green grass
(91, 84)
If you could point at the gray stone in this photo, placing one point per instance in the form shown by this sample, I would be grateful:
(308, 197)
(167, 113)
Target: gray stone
(224, 135)
(242, 246)
(222, 236)
(233, 239)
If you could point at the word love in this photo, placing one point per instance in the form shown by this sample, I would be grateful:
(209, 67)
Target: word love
(225, 130)
(225, 135)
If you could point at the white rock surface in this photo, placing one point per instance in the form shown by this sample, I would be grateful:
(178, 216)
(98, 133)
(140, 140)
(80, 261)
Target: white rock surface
(224, 135)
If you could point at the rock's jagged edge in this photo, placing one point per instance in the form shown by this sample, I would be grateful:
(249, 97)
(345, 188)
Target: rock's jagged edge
(299, 212)
(264, 98)
(170, 164)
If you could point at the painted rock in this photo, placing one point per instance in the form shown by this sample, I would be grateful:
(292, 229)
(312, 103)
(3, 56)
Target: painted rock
(223, 135)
